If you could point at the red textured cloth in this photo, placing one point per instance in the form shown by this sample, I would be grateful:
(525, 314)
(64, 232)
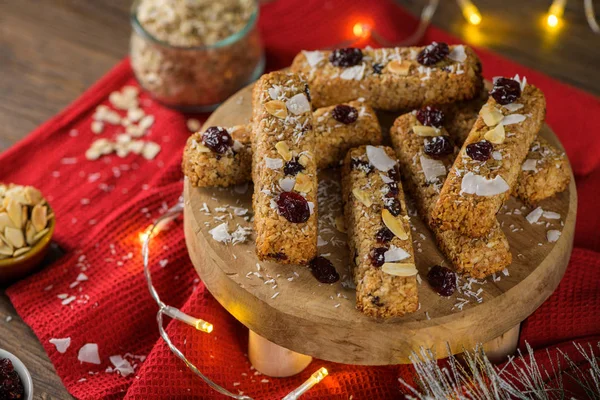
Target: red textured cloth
(102, 205)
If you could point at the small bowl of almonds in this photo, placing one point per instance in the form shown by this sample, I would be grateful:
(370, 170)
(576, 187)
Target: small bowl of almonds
(26, 228)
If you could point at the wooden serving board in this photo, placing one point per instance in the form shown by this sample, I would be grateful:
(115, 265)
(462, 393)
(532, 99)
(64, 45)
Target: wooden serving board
(288, 306)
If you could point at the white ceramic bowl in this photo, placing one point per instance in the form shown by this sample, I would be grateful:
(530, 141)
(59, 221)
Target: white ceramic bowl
(22, 371)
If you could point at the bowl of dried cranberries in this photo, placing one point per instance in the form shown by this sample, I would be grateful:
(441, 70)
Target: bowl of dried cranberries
(15, 379)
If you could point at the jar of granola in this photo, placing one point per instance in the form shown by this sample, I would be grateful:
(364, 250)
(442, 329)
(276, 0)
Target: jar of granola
(194, 54)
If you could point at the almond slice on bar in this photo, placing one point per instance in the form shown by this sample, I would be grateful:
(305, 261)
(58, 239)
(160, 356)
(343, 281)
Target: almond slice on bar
(491, 115)
(284, 150)
(394, 224)
(400, 269)
(276, 108)
(496, 135)
(362, 196)
(427, 131)
(399, 67)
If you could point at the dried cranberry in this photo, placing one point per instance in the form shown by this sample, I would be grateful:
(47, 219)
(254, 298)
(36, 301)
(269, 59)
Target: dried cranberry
(393, 189)
(217, 139)
(292, 167)
(377, 256)
(376, 301)
(293, 207)
(438, 147)
(394, 174)
(393, 206)
(442, 280)
(11, 387)
(363, 166)
(345, 114)
(433, 53)
(431, 116)
(480, 151)
(506, 91)
(384, 235)
(323, 270)
(377, 68)
(347, 57)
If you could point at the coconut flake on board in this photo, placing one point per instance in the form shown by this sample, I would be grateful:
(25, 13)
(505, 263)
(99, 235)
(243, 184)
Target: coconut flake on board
(535, 215)
(61, 344)
(379, 158)
(88, 353)
(481, 186)
(432, 168)
(220, 233)
(552, 235)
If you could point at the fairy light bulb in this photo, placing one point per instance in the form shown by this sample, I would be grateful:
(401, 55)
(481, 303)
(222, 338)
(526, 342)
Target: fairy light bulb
(470, 11)
(314, 379)
(361, 30)
(555, 13)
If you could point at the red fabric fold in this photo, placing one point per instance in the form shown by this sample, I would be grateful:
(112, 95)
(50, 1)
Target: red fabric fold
(101, 207)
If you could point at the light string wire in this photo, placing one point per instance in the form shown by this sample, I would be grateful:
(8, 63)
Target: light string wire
(590, 15)
(199, 324)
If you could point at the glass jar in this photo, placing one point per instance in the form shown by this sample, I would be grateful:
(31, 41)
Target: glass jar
(188, 58)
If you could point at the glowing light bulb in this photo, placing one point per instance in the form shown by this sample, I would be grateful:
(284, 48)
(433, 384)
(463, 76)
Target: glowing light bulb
(552, 20)
(555, 13)
(470, 11)
(361, 30)
(314, 379)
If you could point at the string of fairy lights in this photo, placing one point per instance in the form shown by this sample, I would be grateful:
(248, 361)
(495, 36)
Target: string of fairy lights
(360, 31)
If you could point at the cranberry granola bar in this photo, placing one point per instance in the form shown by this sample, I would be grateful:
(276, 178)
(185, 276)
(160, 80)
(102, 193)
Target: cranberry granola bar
(424, 162)
(391, 78)
(381, 254)
(284, 170)
(337, 130)
(488, 165)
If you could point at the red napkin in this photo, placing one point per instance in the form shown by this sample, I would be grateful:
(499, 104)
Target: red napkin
(102, 206)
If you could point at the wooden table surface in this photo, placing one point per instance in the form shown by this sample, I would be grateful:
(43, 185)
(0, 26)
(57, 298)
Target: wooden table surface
(52, 50)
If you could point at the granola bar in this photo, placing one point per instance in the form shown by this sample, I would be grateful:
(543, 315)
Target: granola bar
(545, 171)
(284, 170)
(489, 163)
(378, 227)
(391, 78)
(206, 167)
(424, 162)
(359, 125)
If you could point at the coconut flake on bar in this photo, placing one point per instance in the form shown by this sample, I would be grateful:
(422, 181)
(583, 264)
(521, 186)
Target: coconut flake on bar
(432, 168)
(273, 163)
(535, 215)
(61, 344)
(458, 54)
(386, 179)
(89, 354)
(287, 184)
(481, 186)
(395, 254)
(355, 72)
(552, 235)
(275, 92)
(529, 165)
(512, 107)
(511, 119)
(220, 233)
(379, 158)
(298, 104)
(313, 58)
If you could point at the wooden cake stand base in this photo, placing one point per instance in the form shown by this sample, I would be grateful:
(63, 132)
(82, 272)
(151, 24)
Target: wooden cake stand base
(292, 317)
